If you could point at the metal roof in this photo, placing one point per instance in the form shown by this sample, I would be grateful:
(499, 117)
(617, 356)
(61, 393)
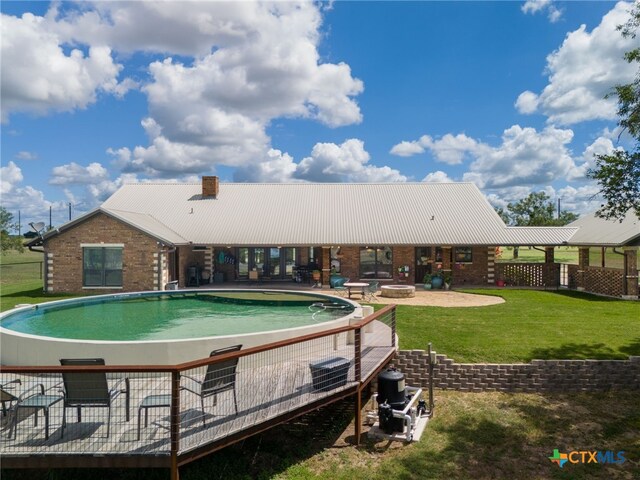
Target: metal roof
(593, 230)
(539, 236)
(322, 214)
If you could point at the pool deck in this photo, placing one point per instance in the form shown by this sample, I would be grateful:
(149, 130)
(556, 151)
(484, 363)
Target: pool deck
(426, 298)
(273, 387)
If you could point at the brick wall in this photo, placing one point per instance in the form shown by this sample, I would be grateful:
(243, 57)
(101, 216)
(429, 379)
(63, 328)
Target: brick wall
(536, 376)
(350, 262)
(404, 256)
(474, 273)
(604, 281)
(188, 257)
(64, 255)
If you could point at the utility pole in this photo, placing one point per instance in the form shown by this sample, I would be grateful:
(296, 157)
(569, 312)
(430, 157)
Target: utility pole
(69, 211)
(50, 224)
(19, 225)
(558, 207)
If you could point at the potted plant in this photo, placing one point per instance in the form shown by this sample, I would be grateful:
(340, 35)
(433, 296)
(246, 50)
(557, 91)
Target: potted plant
(447, 278)
(437, 279)
(426, 280)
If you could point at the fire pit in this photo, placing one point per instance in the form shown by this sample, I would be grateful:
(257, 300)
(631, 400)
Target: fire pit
(398, 291)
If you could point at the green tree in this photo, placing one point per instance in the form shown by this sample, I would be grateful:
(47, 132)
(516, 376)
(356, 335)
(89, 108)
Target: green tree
(7, 241)
(536, 210)
(618, 174)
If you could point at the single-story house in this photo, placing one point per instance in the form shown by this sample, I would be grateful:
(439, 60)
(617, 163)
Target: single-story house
(594, 238)
(147, 235)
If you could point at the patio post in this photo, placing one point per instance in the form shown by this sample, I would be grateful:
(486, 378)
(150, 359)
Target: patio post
(175, 423)
(630, 288)
(358, 378)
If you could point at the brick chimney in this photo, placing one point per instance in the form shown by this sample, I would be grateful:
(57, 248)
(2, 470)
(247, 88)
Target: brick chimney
(210, 187)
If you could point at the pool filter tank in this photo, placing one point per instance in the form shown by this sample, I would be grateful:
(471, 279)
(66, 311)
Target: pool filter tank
(391, 396)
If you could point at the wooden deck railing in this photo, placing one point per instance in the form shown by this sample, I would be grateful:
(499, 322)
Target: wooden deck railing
(274, 382)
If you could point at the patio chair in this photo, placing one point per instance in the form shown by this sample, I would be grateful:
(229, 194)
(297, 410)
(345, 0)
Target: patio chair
(339, 287)
(90, 389)
(253, 276)
(34, 399)
(220, 377)
(370, 292)
(7, 397)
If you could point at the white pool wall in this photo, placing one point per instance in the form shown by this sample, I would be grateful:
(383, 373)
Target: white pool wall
(31, 350)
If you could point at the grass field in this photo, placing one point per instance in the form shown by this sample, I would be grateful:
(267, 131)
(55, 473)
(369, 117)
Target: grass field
(530, 324)
(471, 436)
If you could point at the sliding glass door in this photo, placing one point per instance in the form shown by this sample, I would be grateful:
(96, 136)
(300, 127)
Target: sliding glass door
(270, 262)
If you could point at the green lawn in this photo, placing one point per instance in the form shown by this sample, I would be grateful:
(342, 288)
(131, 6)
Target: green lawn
(530, 324)
(471, 436)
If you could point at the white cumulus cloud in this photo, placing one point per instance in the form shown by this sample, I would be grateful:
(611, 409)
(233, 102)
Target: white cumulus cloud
(535, 6)
(437, 177)
(347, 162)
(582, 71)
(74, 174)
(450, 149)
(38, 76)
(525, 156)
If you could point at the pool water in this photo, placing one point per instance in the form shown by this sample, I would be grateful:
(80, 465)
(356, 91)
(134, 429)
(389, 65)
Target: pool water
(162, 316)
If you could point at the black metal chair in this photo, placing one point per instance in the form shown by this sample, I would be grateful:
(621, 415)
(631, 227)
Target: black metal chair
(34, 398)
(6, 396)
(220, 377)
(90, 389)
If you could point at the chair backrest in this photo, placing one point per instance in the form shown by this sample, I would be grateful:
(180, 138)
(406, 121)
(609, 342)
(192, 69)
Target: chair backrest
(373, 287)
(220, 376)
(86, 388)
(341, 281)
(253, 275)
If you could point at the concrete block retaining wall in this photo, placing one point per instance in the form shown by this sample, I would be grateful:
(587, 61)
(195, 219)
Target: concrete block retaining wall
(534, 377)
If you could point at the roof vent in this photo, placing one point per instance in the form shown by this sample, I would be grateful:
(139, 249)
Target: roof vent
(210, 187)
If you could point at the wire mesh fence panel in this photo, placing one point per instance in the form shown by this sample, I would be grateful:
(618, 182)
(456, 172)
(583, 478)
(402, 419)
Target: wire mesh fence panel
(261, 387)
(87, 408)
(84, 413)
(20, 272)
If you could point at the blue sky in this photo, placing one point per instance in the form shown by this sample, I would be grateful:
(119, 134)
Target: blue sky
(508, 95)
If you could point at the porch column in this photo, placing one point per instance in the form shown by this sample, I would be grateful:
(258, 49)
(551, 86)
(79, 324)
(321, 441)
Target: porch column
(552, 272)
(630, 289)
(446, 259)
(326, 266)
(491, 265)
(583, 264)
(208, 262)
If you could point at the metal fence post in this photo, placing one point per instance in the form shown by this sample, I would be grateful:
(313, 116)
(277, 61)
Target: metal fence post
(175, 423)
(358, 374)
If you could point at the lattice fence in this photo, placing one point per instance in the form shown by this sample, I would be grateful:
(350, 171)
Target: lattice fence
(528, 274)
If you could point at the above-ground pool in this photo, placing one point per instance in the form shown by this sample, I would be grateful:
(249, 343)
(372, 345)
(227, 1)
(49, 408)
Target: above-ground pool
(163, 327)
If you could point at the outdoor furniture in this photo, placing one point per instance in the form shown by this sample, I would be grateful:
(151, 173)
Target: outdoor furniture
(371, 290)
(220, 377)
(152, 401)
(339, 288)
(253, 276)
(358, 286)
(329, 373)
(90, 389)
(34, 398)
(6, 397)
